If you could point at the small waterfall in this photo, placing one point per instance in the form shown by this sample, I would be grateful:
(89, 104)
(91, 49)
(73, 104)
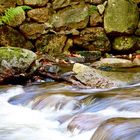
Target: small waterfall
(47, 111)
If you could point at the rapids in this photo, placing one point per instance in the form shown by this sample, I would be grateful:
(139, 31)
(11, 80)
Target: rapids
(51, 111)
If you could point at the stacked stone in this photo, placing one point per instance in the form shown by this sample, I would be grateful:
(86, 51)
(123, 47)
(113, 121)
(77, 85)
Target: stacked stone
(60, 26)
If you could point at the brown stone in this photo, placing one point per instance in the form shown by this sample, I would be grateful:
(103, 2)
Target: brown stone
(9, 36)
(32, 30)
(39, 14)
(93, 39)
(37, 3)
(95, 19)
(75, 17)
(51, 43)
(57, 4)
(95, 1)
(4, 4)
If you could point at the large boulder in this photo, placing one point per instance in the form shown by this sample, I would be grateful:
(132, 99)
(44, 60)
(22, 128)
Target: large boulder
(93, 39)
(121, 16)
(97, 78)
(14, 61)
(16, 58)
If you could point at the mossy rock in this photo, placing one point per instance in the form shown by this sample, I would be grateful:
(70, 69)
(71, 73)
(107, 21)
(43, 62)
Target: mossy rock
(121, 16)
(15, 58)
(125, 43)
(52, 44)
(75, 17)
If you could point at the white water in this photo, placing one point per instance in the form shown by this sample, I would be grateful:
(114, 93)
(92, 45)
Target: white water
(19, 122)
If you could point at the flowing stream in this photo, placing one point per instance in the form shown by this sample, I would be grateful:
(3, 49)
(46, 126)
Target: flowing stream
(51, 111)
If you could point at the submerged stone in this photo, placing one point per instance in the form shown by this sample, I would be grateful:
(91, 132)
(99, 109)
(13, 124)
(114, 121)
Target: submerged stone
(121, 16)
(110, 129)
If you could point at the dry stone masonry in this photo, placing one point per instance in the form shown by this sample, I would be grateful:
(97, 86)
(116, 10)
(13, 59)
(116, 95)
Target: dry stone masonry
(61, 26)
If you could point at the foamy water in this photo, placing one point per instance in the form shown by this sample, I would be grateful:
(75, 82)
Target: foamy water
(22, 122)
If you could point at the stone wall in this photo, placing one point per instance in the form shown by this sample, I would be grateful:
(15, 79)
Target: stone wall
(56, 26)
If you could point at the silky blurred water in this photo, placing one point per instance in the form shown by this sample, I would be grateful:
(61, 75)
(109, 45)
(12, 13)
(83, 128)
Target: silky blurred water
(53, 111)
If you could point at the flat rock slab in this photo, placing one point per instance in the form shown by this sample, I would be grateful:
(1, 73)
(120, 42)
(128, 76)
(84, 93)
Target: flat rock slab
(96, 78)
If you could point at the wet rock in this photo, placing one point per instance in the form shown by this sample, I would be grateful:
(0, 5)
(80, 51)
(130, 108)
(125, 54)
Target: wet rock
(95, 19)
(113, 62)
(32, 30)
(75, 17)
(125, 43)
(39, 14)
(95, 1)
(51, 43)
(93, 39)
(36, 3)
(9, 36)
(121, 16)
(55, 102)
(15, 58)
(85, 122)
(104, 79)
(118, 129)
(57, 4)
